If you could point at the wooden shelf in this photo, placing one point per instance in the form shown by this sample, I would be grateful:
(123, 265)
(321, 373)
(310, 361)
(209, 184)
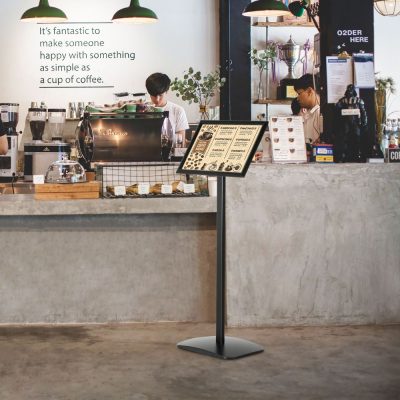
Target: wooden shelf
(285, 24)
(283, 102)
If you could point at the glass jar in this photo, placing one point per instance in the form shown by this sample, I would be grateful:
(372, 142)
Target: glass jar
(56, 122)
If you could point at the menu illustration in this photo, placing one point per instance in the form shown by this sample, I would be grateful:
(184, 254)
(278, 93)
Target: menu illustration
(222, 148)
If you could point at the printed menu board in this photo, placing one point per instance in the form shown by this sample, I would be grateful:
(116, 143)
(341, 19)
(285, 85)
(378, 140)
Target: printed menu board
(287, 139)
(222, 148)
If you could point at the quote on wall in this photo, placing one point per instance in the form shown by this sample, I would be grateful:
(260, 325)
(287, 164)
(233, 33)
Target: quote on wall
(78, 55)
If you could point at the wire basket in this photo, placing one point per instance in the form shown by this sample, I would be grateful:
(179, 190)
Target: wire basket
(158, 176)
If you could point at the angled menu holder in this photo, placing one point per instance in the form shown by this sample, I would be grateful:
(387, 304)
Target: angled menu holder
(222, 149)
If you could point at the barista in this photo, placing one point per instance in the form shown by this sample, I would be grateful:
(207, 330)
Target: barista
(157, 85)
(3, 141)
(308, 98)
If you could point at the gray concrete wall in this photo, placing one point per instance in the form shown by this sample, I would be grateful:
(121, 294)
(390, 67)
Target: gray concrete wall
(101, 268)
(314, 244)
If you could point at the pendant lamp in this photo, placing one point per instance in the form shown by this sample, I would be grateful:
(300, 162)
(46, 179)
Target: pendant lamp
(44, 13)
(136, 14)
(387, 7)
(266, 8)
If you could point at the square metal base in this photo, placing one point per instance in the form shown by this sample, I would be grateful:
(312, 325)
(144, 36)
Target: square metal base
(233, 347)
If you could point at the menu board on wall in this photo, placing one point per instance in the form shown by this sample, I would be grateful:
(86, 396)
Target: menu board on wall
(222, 148)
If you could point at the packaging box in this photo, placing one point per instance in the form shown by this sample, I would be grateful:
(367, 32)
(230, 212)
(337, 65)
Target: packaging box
(392, 155)
(323, 153)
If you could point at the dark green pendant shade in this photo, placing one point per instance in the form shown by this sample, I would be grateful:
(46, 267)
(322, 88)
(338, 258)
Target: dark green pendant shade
(135, 13)
(44, 13)
(266, 8)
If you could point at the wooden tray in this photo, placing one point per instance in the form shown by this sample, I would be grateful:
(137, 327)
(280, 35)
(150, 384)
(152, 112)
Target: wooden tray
(65, 191)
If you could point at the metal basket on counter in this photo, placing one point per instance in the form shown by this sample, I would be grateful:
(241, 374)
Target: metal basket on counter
(116, 174)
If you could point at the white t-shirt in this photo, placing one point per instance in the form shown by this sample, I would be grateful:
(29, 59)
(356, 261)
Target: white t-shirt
(176, 121)
(312, 124)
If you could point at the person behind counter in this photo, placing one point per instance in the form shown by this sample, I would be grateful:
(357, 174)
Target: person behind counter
(3, 142)
(157, 85)
(308, 98)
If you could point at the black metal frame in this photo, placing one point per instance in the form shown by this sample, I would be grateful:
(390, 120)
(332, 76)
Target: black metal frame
(263, 126)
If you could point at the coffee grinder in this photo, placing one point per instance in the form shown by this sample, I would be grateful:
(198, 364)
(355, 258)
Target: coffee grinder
(43, 151)
(9, 121)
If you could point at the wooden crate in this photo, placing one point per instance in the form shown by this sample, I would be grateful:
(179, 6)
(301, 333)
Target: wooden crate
(67, 191)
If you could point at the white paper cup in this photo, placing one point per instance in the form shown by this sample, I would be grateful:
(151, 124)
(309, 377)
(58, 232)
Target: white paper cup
(212, 186)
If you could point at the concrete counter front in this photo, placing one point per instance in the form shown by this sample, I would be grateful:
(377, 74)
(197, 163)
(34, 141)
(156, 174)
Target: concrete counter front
(306, 244)
(314, 244)
(107, 260)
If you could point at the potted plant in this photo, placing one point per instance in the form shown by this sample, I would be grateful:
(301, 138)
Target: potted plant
(198, 88)
(383, 88)
(263, 59)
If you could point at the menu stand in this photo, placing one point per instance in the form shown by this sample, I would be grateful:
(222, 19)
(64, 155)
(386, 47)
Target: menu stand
(221, 346)
(222, 148)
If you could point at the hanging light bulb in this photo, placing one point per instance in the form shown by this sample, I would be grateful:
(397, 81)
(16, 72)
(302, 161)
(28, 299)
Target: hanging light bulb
(136, 14)
(266, 8)
(44, 13)
(387, 7)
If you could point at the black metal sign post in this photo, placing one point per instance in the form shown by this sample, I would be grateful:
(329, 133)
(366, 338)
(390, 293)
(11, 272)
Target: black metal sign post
(220, 346)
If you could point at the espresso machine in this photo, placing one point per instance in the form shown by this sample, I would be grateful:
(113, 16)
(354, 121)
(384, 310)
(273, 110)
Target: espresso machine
(122, 137)
(8, 123)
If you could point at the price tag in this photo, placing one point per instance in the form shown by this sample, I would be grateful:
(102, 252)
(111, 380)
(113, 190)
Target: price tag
(180, 186)
(143, 188)
(120, 190)
(188, 188)
(351, 112)
(38, 179)
(166, 189)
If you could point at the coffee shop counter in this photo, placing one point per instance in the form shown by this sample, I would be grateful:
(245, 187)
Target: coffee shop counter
(305, 245)
(107, 260)
(313, 244)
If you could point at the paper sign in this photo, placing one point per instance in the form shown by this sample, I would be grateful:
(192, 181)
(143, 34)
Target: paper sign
(166, 189)
(180, 186)
(143, 188)
(351, 112)
(287, 139)
(339, 73)
(188, 188)
(38, 179)
(364, 72)
(119, 190)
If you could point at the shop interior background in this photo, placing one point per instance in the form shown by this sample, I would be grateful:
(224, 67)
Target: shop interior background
(185, 35)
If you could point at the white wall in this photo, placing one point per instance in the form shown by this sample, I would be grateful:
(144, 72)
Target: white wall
(186, 35)
(387, 31)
